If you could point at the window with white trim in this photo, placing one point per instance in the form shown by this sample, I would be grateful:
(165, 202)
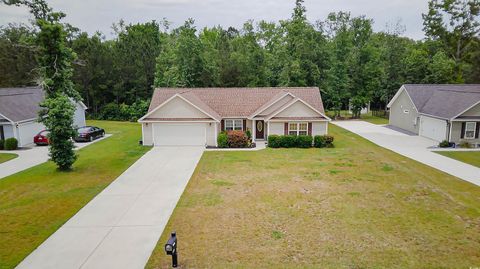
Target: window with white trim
(470, 128)
(233, 125)
(297, 128)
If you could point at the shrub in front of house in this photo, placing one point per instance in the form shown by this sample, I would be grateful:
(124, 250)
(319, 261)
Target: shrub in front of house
(237, 139)
(222, 140)
(323, 141)
(2, 144)
(288, 141)
(444, 144)
(465, 145)
(11, 143)
(273, 141)
(303, 141)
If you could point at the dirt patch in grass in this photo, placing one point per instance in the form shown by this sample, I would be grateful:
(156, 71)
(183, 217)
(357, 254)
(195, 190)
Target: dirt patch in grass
(353, 206)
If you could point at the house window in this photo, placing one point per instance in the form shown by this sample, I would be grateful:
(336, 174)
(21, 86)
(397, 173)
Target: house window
(233, 125)
(470, 128)
(406, 111)
(297, 128)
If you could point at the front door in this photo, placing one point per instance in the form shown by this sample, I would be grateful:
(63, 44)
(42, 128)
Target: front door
(260, 129)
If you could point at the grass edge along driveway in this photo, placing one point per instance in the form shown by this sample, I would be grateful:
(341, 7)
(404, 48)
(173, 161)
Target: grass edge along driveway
(469, 157)
(36, 202)
(5, 157)
(353, 206)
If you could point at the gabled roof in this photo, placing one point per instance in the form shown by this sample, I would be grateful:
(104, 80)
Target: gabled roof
(20, 104)
(444, 101)
(236, 102)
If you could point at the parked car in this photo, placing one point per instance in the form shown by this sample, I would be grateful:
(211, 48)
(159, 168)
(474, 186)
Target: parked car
(41, 138)
(89, 133)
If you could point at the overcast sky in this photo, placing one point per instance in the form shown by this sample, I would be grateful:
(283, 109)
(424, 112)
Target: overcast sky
(93, 15)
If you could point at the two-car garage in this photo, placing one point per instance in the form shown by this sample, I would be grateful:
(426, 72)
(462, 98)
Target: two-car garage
(179, 134)
(433, 128)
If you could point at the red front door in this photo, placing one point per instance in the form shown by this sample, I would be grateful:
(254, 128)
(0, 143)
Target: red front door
(260, 129)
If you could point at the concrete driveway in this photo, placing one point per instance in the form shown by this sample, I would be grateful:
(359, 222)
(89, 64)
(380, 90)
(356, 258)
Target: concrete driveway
(32, 156)
(120, 227)
(413, 147)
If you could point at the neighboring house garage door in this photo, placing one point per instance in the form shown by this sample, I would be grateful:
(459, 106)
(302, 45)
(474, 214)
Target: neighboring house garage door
(181, 134)
(432, 128)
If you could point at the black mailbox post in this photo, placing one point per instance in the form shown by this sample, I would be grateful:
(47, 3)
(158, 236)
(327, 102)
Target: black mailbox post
(171, 249)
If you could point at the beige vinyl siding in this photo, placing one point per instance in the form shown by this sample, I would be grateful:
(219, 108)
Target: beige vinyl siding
(178, 108)
(276, 105)
(276, 128)
(398, 118)
(211, 140)
(474, 111)
(298, 109)
(147, 134)
(319, 128)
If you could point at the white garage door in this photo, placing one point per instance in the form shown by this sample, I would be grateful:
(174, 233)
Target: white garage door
(182, 134)
(433, 128)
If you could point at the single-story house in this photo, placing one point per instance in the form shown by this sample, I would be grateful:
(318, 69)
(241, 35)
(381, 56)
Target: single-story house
(440, 112)
(195, 116)
(19, 109)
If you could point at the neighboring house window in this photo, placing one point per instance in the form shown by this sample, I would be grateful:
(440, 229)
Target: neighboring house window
(233, 125)
(470, 128)
(300, 128)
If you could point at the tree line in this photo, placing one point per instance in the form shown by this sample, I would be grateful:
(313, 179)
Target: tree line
(342, 55)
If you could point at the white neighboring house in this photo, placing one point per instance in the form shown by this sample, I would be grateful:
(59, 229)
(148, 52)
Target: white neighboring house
(19, 109)
(440, 112)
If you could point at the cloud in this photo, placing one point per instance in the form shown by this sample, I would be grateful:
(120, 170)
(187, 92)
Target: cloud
(93, 15)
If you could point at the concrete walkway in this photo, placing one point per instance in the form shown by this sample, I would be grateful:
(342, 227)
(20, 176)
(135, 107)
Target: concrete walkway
(29, 157)
(413, 147)
(120, 227)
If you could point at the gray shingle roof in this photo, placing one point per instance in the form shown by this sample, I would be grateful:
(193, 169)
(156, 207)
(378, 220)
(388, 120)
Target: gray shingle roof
(19, 104)
(443, 100)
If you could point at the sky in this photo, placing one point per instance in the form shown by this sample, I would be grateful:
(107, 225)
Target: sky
(99, 15)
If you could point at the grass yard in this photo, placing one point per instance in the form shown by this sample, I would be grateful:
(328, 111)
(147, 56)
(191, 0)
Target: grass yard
(36, 202)
(7, 157)
(365, 117)
(470, 157)
(353, 206)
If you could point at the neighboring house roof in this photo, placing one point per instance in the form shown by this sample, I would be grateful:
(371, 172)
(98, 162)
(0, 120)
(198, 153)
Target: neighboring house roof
(236, 102)
(445, 101)
(22, 104)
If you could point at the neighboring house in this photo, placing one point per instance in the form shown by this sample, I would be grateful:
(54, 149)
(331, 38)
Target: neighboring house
(195, 116)
(439, 112)
(19, 109)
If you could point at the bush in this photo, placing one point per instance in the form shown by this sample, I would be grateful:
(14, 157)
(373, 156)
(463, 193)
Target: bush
(2, 144)
(249, 134)
(288, 141)
(237, 139)
(124, 112)
(465, 145)
(323, 141)
(444, 144)
(11, 143)
(304, 141)
(222, 140)
(273, 141)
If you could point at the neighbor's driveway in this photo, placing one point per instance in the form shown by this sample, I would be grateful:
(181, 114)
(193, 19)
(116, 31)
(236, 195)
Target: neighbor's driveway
(120, 227)
(413, 147)
(29, 157)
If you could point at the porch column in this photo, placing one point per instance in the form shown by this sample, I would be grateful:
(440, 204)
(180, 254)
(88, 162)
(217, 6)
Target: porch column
(254, 130)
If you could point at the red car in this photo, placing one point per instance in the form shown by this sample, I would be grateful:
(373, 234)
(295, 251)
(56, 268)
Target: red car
(41, 138)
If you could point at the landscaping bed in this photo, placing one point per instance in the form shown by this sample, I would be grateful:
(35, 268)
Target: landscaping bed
(356, 205)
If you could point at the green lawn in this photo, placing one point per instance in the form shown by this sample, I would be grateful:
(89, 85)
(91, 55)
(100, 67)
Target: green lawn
(366, 117)
(36, 202)
(470, 157)
(7, 157)
(353, 206)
